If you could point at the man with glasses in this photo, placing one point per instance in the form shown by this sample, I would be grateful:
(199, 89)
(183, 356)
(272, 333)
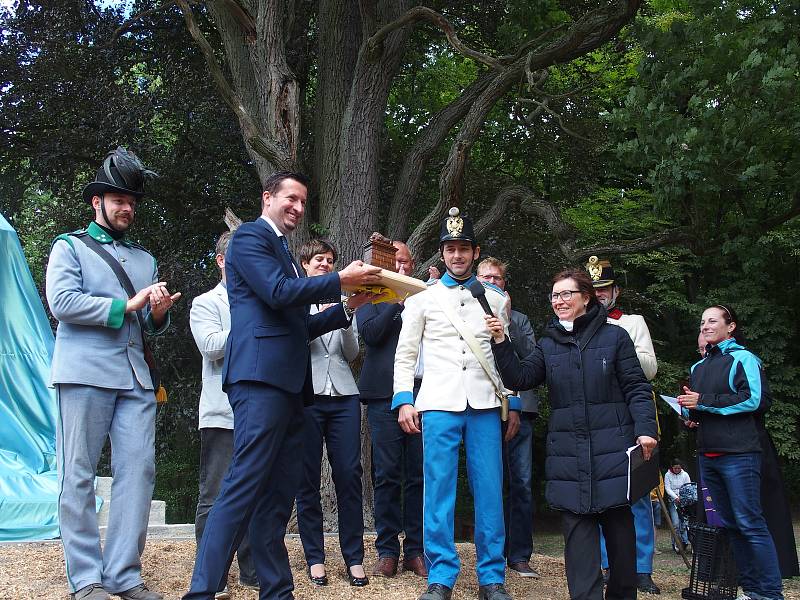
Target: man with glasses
(518, 453)
(607, 290)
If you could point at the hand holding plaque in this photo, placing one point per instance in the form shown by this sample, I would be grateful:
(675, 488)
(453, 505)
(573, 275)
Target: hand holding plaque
(389, 286)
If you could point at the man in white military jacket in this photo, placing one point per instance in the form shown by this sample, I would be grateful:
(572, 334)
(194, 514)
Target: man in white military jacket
(459, 402)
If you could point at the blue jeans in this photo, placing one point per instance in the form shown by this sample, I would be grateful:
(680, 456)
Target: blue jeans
(734, 481)
(677, 522)
(519, 503)
(397, 464)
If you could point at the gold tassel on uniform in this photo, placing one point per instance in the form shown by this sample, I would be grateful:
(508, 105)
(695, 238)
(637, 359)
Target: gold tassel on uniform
(161, 395)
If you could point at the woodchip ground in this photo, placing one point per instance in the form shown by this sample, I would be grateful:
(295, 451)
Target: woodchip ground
(36, 571)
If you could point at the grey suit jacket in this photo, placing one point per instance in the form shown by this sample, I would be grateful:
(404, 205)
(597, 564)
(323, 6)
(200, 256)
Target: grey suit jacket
(524, 342)
(97, 344)
(210, 321)
(331, 354)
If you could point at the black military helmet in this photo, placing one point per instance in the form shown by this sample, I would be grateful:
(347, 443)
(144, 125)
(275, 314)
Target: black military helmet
(455, 227)
(601, 272)
(122, 172)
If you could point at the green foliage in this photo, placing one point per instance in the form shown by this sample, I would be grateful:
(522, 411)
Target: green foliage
(715, 113)
(689, 119)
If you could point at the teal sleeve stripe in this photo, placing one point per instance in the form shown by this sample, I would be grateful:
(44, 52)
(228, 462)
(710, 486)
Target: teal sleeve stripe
(116, 315)
(752, 372)
(401, 398)
(685, 413)
(514, 403)
(150, 326)
(750, 393)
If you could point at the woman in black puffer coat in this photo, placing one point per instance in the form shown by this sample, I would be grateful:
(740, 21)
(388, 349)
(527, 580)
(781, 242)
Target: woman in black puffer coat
(601, 404)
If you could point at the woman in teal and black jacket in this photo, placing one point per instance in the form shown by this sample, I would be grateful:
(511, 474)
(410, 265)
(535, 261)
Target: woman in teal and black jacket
(727, 396)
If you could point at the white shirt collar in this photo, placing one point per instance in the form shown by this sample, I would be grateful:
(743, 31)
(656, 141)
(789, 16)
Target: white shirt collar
(271, 223)
(279, 234)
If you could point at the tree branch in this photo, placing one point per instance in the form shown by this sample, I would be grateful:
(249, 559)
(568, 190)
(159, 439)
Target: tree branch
(251, 132)
(452, 174)
(566, 234)
(680, 235)
(427, 143)
(129, 22)
(586, 34)
(423, 13)
(543, 106)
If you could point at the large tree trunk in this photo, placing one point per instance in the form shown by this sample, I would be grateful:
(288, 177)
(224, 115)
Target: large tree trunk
(360, 48)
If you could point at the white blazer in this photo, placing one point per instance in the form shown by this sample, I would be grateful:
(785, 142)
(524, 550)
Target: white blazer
(210, 322)
(636, 327)
(331, 354)
(453, 376)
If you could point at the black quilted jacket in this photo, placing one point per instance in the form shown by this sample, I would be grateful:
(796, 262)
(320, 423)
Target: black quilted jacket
(600, 403)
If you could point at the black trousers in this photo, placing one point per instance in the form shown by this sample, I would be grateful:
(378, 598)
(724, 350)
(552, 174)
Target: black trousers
(216, 451)
(336, 422)
(582, 554)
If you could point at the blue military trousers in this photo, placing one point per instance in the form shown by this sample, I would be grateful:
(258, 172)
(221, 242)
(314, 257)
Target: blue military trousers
(442, 434)
(644, 525)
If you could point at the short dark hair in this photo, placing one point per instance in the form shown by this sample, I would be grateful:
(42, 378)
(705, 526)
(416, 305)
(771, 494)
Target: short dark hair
(275, 180)
(317, 246)
(676, 463)
(582, 281)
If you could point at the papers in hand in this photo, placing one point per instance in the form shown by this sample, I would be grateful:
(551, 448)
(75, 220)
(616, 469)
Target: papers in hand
(673, 402)
(643, 474)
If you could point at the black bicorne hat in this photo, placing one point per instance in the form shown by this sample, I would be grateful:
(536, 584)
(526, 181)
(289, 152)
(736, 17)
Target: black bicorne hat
(455, 227)
(122, 172)
(601, 272)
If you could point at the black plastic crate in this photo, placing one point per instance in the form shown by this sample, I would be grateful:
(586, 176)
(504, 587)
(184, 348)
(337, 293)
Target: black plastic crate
(714, 575)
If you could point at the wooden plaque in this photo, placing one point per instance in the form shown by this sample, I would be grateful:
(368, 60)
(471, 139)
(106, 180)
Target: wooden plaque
(379, 252)
(392, 288)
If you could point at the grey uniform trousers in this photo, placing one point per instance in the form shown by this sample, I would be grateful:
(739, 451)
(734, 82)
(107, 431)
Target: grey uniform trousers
(87, 416)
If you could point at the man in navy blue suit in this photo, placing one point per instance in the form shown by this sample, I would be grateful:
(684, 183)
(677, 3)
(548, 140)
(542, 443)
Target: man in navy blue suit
(267, 376)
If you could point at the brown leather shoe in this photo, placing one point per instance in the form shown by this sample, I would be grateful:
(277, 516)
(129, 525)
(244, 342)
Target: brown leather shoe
(385, 567)
(416, 565)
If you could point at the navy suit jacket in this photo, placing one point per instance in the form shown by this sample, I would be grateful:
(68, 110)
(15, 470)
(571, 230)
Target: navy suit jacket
(379, 325)
(270, 323)
(524, 342)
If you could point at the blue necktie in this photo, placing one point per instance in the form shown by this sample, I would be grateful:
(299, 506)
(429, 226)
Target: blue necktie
(285, 244)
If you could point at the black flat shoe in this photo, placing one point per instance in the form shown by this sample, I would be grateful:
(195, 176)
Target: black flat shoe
(317, 580)
(357, 581)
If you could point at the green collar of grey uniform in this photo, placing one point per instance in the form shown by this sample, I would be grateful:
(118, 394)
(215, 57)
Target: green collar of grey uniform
(96, 232)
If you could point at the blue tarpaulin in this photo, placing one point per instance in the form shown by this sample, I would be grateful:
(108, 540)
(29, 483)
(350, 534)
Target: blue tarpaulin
(28, 410)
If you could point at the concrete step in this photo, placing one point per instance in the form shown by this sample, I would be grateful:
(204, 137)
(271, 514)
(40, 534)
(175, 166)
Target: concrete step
(176, 531)
(158, 508)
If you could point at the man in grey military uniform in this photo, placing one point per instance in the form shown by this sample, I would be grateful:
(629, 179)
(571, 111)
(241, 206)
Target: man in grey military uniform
(104, 384)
